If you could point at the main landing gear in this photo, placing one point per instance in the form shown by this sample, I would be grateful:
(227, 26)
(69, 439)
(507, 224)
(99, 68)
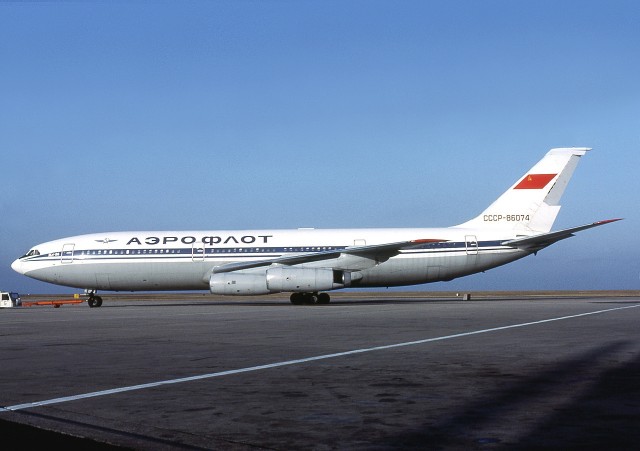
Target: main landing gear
(93, 300)
(310, 298)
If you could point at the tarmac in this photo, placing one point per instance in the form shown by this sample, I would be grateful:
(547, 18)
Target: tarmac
(370, 371)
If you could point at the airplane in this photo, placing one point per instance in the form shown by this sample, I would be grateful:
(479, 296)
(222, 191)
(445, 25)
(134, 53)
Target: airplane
(308, 262)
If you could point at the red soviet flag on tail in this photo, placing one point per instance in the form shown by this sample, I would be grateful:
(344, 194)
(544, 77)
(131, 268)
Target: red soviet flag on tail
(534, 181)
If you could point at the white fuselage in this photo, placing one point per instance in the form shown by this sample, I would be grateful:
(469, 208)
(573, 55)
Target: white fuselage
(307, 261)
(172, 260)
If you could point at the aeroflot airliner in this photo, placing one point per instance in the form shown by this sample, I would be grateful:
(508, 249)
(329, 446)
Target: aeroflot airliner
(306, 262)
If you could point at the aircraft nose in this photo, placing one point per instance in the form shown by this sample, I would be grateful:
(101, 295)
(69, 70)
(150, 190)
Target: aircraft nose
(17, 266)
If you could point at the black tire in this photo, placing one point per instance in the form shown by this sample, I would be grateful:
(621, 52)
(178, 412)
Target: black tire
(297, 298)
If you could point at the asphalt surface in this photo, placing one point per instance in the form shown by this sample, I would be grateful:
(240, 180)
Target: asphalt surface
(363, 373)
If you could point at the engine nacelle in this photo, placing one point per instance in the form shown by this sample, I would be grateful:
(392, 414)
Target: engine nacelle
(239, 284)
(306, 279)
(276, 280)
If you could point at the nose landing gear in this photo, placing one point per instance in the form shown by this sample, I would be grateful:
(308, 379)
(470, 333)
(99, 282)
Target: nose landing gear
(93, 300)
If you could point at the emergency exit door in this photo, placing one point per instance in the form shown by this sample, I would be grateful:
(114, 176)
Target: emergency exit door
(471, 244)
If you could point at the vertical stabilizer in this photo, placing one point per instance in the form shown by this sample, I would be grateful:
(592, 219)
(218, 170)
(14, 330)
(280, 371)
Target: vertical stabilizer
(533, 202)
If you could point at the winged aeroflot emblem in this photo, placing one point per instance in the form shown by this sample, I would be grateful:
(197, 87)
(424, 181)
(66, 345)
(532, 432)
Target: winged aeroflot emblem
(105, 241)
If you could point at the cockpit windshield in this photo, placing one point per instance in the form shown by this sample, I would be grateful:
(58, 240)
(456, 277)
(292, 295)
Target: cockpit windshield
(31, 253)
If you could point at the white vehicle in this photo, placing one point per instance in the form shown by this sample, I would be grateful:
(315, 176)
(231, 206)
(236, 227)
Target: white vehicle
(307, 262)
(9, 299)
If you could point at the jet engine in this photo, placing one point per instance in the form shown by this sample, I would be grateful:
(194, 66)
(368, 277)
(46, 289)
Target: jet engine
(278, 279)
(239, 284)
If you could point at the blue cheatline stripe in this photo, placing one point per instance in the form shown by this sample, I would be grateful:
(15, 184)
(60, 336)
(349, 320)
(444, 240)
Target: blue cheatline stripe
(239, 252)
(292, 362)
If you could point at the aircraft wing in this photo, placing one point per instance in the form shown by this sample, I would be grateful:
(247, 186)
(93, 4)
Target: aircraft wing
(374, 252)
(537, 242)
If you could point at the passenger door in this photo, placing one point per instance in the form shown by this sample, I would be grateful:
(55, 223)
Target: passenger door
(67, 253)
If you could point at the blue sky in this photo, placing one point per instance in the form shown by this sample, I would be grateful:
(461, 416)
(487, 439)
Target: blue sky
(284, 114)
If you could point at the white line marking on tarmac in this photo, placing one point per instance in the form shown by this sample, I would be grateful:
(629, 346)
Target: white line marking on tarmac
(292, 362)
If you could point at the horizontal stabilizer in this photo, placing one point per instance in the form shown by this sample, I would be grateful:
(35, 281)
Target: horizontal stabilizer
(537, 242)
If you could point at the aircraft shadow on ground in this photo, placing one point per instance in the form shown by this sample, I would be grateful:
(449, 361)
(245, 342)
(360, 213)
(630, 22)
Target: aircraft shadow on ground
(604, 417)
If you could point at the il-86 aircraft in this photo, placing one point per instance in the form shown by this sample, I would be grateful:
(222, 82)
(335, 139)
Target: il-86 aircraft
(307, 262)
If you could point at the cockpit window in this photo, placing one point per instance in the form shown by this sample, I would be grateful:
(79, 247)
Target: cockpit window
(31, 253)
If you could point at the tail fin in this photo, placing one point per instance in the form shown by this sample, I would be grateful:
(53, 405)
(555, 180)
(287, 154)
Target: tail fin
(533, 202)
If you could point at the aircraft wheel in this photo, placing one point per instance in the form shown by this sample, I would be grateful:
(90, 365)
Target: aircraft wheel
(94, 301)
(309, 298)
(297, 298)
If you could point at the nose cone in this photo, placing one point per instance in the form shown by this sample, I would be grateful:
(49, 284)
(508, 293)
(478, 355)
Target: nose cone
(17, 266)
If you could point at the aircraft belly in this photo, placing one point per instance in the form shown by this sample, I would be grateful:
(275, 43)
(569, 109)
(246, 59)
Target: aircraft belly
(127, 276)
(161, 276)
(396, 271)
(418, 270)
